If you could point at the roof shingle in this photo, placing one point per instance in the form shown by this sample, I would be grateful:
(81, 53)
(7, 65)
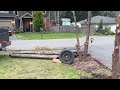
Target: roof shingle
(96, 19)
(7, 15)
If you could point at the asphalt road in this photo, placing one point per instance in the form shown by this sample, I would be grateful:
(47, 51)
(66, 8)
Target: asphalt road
(101, 48)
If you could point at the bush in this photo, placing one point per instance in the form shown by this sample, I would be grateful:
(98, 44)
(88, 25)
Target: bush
(107, 31)
(21, 31)
(18, 31)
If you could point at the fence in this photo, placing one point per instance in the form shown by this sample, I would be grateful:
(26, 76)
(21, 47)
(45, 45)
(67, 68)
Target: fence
(71, 29)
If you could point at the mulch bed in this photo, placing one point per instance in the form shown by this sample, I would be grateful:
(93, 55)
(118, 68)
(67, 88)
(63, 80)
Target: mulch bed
(94, 68)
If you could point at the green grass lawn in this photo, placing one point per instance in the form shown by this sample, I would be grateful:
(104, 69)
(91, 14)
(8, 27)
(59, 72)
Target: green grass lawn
(36, 36)
(17, 68)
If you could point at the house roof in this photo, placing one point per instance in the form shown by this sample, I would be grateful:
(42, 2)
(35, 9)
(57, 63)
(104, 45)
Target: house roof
(7, 15)
(66, 19)
(26, 15)
(96, 19)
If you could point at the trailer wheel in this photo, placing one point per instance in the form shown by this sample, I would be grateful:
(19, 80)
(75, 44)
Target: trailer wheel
(66, 57)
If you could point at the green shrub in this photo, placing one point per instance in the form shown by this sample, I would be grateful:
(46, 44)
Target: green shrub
(107, 31)
(38, 20)
(21, 31)
(18, 31)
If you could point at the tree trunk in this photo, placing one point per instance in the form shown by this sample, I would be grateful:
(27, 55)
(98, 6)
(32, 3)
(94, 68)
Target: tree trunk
(58, 21)
(86, 44)
(77, 37)
(116, 53)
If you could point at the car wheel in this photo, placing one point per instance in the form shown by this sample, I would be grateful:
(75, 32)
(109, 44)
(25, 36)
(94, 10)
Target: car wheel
(0, 49)
(66, 57)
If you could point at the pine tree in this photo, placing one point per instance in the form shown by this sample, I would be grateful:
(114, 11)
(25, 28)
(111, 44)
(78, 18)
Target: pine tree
(100, 26)
(38, 20)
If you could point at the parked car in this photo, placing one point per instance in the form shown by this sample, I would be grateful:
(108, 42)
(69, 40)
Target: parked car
(4, 38)
(8, 28)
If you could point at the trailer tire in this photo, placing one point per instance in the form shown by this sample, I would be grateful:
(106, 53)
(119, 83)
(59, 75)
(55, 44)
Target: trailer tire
(66, 57)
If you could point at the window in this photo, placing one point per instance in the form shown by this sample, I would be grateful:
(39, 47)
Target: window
(4, 11)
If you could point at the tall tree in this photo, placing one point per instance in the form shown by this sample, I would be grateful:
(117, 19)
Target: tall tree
(108, 13)
(100, 26)
(38, 20)
(87, 35)
(81, 15)
(67, 14)
(116, 53)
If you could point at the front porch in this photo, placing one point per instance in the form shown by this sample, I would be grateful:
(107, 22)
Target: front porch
(26, 23)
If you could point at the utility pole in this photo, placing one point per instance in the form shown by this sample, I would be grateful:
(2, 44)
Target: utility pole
(116, 53)
(49, 21)
(77, 37)
(55, 15)
(86, 44)
(58, 20)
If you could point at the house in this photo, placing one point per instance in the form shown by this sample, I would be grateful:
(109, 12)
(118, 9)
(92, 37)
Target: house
(7, 18)
(21, 20)
(48, 23)
(107, 21)
(78, 24)
(65, 21)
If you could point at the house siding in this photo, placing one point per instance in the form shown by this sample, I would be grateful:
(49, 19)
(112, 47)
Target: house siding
(8, 20)
(11, 12)
(47, 24)
(5, 18)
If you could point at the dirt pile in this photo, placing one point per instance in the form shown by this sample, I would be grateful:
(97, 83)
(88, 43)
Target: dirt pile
(94, 68)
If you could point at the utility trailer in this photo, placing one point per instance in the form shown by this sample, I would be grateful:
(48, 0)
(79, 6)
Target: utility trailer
(66, 55)
(4, 39)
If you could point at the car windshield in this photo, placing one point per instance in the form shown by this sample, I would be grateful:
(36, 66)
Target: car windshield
(5, 27)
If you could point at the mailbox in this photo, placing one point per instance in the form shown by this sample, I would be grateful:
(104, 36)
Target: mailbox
(91, 39)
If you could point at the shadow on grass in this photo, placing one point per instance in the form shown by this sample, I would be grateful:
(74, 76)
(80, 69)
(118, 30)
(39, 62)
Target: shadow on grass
(4, 57)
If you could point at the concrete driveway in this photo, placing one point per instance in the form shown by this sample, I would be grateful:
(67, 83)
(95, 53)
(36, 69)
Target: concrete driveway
(101, 48)
(13, 37)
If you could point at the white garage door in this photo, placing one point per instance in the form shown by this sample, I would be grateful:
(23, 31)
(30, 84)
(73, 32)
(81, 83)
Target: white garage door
(6, 23)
